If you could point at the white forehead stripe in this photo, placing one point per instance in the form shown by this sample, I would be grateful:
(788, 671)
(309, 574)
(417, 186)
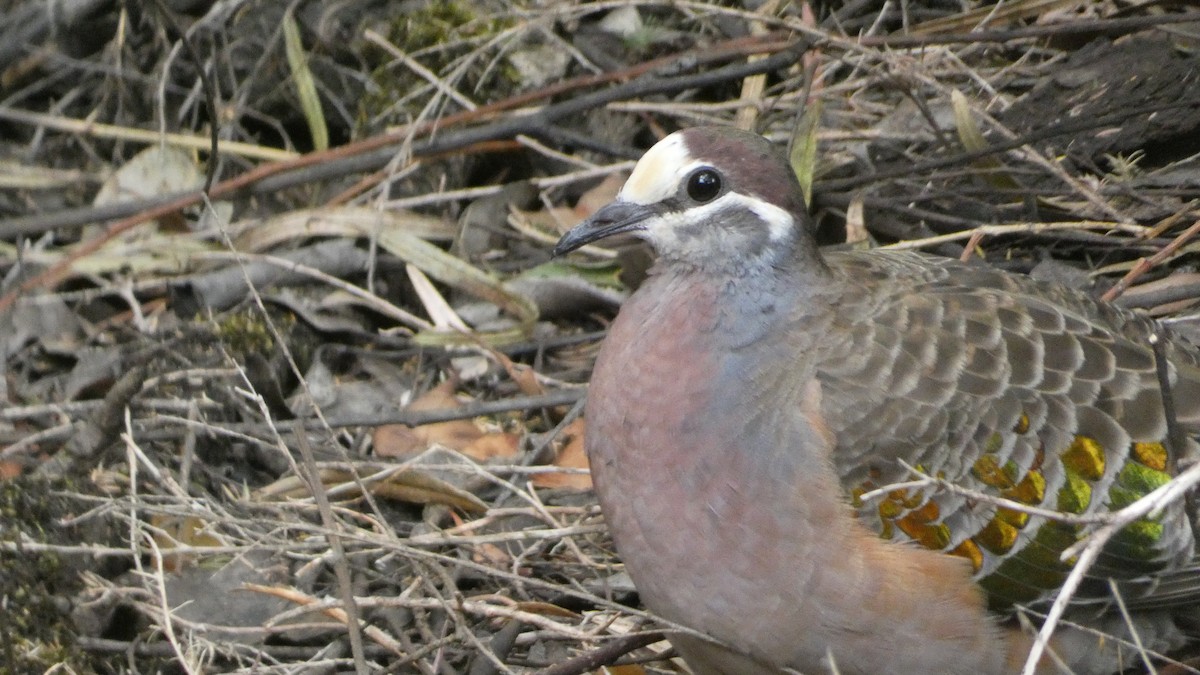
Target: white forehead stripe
(657, 174)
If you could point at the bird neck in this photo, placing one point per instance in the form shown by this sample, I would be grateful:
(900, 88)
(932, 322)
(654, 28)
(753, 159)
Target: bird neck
(736, 302)
(747, 259)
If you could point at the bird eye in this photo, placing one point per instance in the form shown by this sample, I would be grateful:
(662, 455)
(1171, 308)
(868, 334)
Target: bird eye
(704, 185)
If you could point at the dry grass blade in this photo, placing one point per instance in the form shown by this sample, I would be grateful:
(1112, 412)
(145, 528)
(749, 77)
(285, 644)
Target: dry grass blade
(110, 131)
(453, 271)
(302, 78)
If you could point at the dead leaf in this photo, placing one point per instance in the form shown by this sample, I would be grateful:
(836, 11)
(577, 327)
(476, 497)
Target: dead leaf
(421, 488)
(159, 169)
(218, 599)
(465, 436)
(493, 445)
(524, 376)
(570, 456)
(561, 218)
(492, 556)
(43, 318)
(9, 470)
(189, 531)
(546, 609)
(407, 485)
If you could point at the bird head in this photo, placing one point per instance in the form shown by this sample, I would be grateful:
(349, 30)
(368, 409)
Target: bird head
(708, 198)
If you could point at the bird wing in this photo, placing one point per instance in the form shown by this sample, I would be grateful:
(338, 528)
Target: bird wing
(1011, 388)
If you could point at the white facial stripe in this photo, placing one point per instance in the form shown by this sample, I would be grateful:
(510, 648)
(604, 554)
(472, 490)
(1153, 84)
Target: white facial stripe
(779, 222)
(658, 173)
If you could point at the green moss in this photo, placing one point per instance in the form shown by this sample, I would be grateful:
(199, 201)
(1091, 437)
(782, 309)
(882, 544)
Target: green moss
(438, 35)
(245, 332)
(436, 23)
(643, 41)
(36, 585)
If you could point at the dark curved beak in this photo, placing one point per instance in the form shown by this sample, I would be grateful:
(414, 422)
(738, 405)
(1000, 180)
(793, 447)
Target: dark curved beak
(613, 218)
